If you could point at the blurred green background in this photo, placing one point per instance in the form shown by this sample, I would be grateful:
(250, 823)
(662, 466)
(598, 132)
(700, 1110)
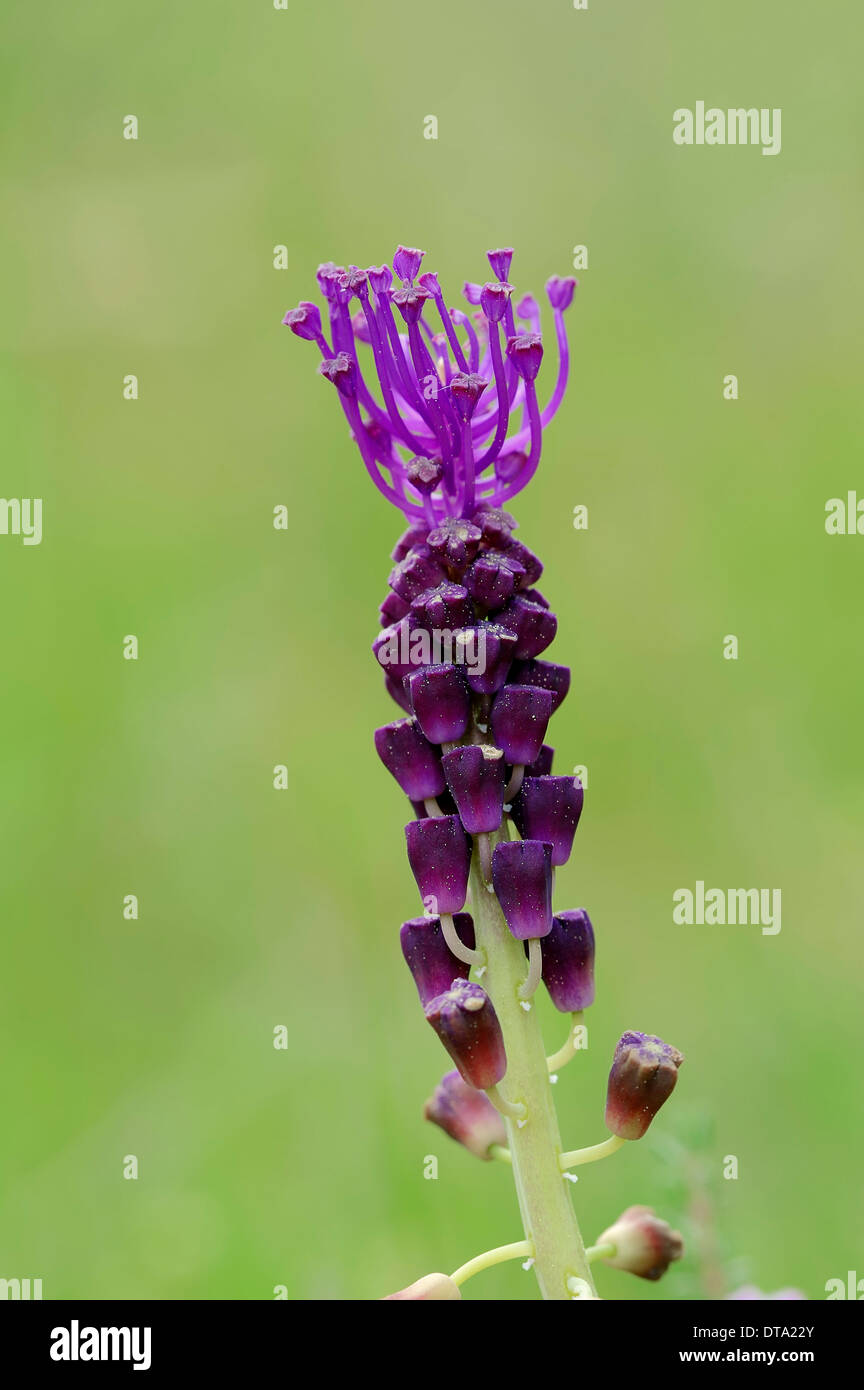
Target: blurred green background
(258, 127)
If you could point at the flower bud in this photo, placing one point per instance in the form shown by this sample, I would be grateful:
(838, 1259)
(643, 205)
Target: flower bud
(341, 370)
(410, 301)
(545, 674)
(466, 1114)
(305, 320)
(430, 1287)
(533, 626)
(520, 714)
(568, 961)
(531, 563)
(413, 536)
(411, 759)
(560, 290)
(380, 278)
(476, 776)
(429, 958)
(496, 525)
(500, 261)
(644, 1244)
(542, 764)
(455, 542)
(424, 474)
(392, 610)
(466, 388)
(406, 262)
(440, 700)
(525, 351)
(522, 879)
(643, 1075)
(487, 652)
(419, 570)
(445, 608)
(466, 1022)
(439, 853)
(494, 298)
(492, 579)
(548, 808)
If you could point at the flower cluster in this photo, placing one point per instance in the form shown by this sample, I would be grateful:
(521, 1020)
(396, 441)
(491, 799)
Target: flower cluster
(452, 434)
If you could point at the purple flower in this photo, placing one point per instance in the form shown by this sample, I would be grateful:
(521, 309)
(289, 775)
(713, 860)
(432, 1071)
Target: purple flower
(440, 700)
(520, 714)
(467, 1024)
(466, 1114)
(644, 1244)
(568, 961)
(548, 808)
(435, 388)
(476, 776)
(428, 956)
(522, 878)
(644, 1073)
(411, 759)
(439, 853)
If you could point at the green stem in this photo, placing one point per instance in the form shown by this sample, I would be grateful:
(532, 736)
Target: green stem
(490, 1258)
(574, 1157)
(548, 1218)
(601, 1252)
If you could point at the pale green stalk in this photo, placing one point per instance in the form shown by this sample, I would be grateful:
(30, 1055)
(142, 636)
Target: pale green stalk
(548, 1218)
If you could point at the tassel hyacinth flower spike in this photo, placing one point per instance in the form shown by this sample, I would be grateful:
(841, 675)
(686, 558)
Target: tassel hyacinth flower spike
(444, 408)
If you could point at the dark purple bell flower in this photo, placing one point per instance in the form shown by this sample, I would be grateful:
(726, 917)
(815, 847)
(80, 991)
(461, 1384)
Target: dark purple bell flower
(447, 607)
(528, 560)
(455, 542)
(441, 701)
(393, 609)
(396, 690)
(520, 714)
(535, 596)
(492, 578)
(411, 300)
(545, 674)
(644, 1073)
(497, 646)
(415, 535)
(522, 878)
(533, 626)
(568, 961)
(439, 853)
(466, 1114)
(542, 764)
(418, 571)
(391, 650)
(548, 808)
(466, 1022)
(411, 759)
(496, 526)
(476, 776)
(429, 958)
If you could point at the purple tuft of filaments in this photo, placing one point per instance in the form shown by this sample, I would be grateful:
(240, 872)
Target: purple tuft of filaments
(457, 391)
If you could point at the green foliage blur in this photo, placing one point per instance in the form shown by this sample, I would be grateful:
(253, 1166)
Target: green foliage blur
(258, 908)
